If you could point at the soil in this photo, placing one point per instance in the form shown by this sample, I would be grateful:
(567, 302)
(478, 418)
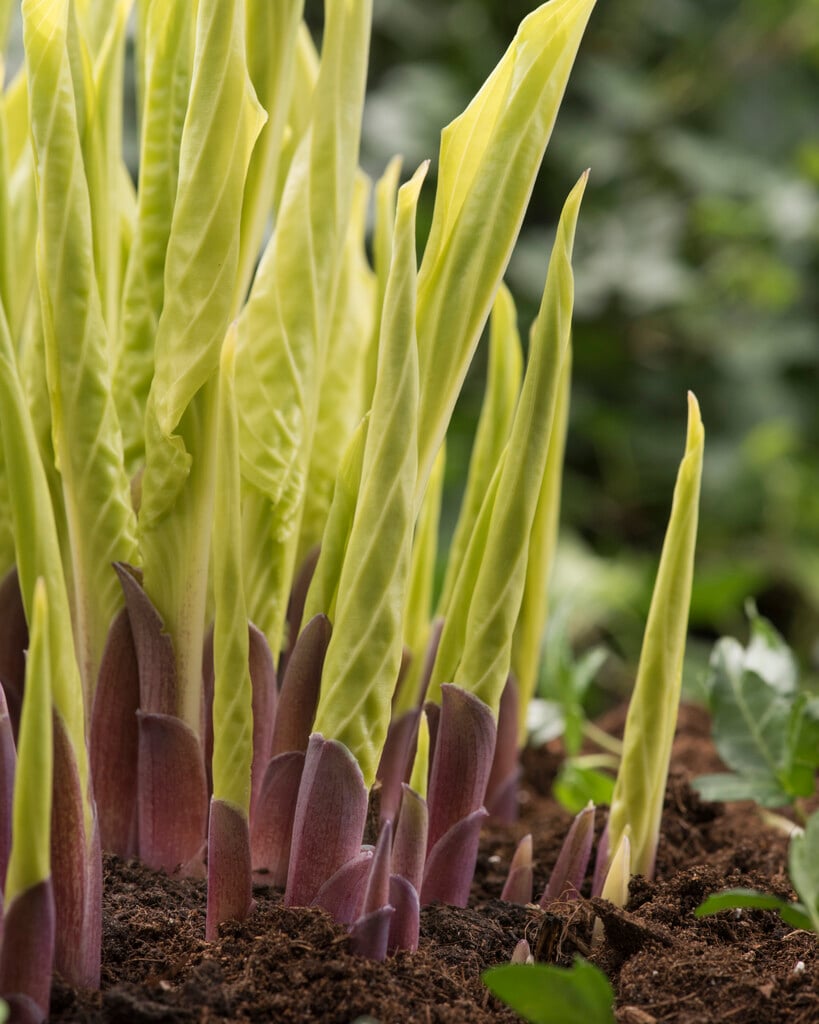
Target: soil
(287, 965)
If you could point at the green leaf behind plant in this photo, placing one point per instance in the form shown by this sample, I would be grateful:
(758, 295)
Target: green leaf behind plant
(545, 994)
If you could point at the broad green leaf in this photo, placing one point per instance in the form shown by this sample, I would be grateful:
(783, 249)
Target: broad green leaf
(284, 328)
(489, 158)
(503, 379)
(546, 994)
(221, 125)
(528, 638)
(735, 899)
(38, 554)
(87, 441)
(364, 654)
(169, 45)
(476, 643)
(341, 399)
(321, 597)
(803, 866)
(272, 30)
(652, 715)
(763, 729)
(30, 856)
(232, 694)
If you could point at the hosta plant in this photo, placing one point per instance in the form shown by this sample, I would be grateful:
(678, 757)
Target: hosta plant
(222, 445)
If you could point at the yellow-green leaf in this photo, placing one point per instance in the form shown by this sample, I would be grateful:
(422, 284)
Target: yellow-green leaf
(637, 801)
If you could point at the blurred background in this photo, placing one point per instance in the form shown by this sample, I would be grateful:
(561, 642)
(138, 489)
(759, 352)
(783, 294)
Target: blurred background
(697, 266)
(696, 262)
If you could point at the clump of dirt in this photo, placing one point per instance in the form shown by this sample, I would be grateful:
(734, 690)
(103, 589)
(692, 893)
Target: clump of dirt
(294, 965)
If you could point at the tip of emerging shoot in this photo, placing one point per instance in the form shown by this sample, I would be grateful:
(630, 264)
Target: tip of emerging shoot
(696, 432)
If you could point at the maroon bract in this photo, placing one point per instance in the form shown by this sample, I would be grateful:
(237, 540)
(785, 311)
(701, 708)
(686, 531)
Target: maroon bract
(410, 845)
(396, 761)
(329, 821)
(13, 645)
(114, 741)
(8, 760)
(573, 860)
(519, 882)
(298, 698)
(502, 787)
(229, 875)
(271, 824)
(27, 954)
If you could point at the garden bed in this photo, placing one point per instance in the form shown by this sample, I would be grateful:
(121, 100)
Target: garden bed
(290, 965)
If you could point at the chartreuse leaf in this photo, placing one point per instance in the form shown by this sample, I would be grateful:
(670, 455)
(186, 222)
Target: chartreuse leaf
(545, 994)
(232, 697)
(489, 158)
(102, 150)
(30, 857)
(528, 638)
(305, 76)
(272, 30)
(222, 122)
(476, 642)
(386, 189)
(418, 606)
(764, 729)
(6, 8)
(503, 378)
(284, 328)
(637, 801)
(341, 400)
(38, 555)
(364, 654)
(86, 435)
(321, 597)
(169, 44)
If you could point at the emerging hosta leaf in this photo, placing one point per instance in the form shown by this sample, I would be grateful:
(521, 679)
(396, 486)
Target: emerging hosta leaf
(296, 709)
(283, 330)
(489, 158)
(87, 441)
(222, 122)
(476, 643)
(637, 801)
(167, 44)
(272, 822)
(503, 377)
(364, 655)
(502, 785)
(342, 401)
(272, 30)
(229, 873)
(27, 934)
(232, 691)
(528, 638)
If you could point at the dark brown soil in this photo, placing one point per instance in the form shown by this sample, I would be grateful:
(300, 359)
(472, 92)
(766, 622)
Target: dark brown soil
(294, 965)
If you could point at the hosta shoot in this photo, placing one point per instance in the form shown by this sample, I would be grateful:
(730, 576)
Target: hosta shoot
(637, 801)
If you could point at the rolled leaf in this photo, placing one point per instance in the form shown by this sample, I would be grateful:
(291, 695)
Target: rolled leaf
(342, 895)
(283, 329)
(451, 862)
(167, 44)
(8, 761)
(364, 654)
(502, 786)
(405, 923)
(395, 763)
(410, 846)
(489, 158)
(615, 887)
(13, 644)
(503, 376)
(222, 122)
(637, 801)
(528, 638)
(476, 643)
(85, 428)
